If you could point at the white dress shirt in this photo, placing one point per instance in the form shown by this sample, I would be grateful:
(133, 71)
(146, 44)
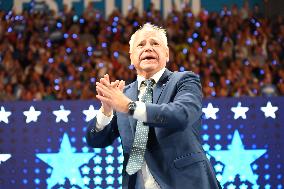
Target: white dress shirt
(139, 114)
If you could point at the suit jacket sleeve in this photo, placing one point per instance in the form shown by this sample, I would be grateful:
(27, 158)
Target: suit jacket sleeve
(103, 138)
(185, 108)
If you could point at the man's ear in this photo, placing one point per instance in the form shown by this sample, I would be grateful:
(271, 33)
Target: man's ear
(168, 54)
(130, 56)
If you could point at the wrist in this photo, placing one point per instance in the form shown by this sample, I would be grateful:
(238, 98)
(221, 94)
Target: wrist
(131, 107)
(106, 113)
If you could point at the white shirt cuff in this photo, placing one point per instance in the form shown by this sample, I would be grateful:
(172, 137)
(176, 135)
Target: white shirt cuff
(102, 120)
(140, 111)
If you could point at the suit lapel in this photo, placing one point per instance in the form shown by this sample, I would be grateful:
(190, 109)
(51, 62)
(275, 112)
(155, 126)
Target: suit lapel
(157, 91)
(132, 92)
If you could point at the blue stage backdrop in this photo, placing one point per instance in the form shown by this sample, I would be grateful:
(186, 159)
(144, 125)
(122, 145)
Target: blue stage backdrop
(42, 145)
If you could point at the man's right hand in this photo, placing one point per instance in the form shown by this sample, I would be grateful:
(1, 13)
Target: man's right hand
(106, 108)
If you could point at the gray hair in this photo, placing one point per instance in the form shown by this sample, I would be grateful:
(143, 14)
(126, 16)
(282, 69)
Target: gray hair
(149, 27)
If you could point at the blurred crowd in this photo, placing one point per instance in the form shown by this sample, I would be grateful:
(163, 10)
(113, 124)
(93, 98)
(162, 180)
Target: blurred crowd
(236, 52)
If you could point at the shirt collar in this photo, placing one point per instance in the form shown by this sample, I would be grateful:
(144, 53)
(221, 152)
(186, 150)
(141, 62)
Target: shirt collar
(156, 77)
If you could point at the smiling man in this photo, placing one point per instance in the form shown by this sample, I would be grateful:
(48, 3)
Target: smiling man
(157, 117)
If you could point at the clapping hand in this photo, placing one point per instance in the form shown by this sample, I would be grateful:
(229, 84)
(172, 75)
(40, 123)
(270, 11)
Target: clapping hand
(111, 95)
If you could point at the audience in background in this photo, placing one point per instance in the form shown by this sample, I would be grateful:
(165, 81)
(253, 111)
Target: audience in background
(236, 52)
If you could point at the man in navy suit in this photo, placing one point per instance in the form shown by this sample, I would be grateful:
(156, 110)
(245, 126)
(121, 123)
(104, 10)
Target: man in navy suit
(158, 120)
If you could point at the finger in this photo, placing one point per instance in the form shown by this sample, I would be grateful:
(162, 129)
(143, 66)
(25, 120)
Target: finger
(106, 76)
(104, 99)
(102, 90)
(114, 84)
(105, 82)
(102, 85)
(121, 85)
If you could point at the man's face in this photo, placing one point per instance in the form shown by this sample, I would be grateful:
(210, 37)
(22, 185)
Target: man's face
(149, 54)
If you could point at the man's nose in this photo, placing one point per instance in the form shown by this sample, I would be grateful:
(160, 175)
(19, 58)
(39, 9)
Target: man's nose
(148, 47)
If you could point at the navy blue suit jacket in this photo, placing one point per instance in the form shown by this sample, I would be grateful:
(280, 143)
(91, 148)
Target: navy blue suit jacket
(174, 152)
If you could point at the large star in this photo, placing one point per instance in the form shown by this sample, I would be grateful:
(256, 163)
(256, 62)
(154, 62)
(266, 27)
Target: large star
(237, 160)
(4, 115)
(4, 157)
(269, 110)
(240, 111)
(90, 113)
(31, 115)
(65, 164)
(210, 111)
(61, 114)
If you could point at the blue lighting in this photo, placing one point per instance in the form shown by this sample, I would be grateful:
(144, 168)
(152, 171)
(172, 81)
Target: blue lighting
(197, 24)
(217, 29)
(101, 65)
(257, 24)
(74, 36)
(104, 44)
(267, 177)
(189, 40)
(217, 137)
(261, 72)
(195, 35)
(114, 30)
(115, 19)
(131, 67)
(81, 68)
(56, 81)
(89, 48)
(69, 91)
(205, 127)
(115, 54)
(10, 29)
(181, 69)
(184, 51)
(82, 21)
(93, 79)
(65, 35)
(209, 51)
(114, 24)
(37, 181)
(48, 44)
(175, 19)
(58, 25)
(189, 14)
(50, 60)
(68, 50)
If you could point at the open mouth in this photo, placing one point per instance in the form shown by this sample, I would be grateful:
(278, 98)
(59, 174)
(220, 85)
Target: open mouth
(149, 57)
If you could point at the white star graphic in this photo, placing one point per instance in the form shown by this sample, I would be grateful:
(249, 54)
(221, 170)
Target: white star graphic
(90, 113)
(240, 111)
(4, 115)
(61, 114)
(269, 110)
(4, 157)
(210, 111)
(31, 115)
